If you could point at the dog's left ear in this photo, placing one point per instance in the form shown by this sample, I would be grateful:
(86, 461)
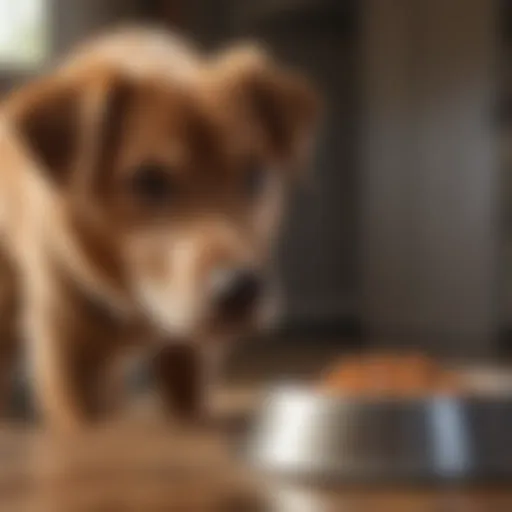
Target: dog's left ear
(285, 104)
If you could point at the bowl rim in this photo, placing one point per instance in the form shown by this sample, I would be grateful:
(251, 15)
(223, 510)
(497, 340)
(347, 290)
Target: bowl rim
(300, 390)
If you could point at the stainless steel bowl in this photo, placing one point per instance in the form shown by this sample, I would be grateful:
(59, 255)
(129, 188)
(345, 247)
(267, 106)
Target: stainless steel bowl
(301, 432)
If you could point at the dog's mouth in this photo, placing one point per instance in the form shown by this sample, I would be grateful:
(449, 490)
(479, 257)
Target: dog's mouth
(232, 324)
(239, 320)
(246, 318)
(227, 325)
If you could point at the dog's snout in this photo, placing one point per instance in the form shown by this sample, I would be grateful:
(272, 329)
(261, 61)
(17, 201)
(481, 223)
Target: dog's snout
(235, 291)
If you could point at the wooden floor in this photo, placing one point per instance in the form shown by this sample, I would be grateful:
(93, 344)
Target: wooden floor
(141, 464)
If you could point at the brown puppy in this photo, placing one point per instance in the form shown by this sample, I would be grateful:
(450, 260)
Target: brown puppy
(141, 186)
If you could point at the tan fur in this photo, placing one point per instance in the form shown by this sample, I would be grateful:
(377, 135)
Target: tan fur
(96, 270)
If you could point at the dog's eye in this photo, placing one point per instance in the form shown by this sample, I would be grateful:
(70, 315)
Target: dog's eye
(152, 183)
(254, 180)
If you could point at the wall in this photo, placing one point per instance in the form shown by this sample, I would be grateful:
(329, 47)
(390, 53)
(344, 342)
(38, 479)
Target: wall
(430, 198)
(75, 19)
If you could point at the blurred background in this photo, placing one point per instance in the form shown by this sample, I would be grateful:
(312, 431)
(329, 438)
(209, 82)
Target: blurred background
(403, 237)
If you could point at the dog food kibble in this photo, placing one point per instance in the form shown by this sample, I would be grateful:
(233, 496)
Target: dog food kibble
(389, 375)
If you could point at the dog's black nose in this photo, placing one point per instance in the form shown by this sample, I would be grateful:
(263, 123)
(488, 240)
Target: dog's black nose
(235, 291)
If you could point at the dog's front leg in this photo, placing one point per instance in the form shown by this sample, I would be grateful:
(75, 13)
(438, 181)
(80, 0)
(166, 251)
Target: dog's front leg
(8, 359)
(186, 377)
(67, 360)
(177, 374)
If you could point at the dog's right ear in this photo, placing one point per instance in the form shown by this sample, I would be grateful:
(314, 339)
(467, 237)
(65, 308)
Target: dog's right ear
(46, 117)
(65, 123)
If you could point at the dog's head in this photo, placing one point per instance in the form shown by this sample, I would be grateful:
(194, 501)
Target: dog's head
(173, 190)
